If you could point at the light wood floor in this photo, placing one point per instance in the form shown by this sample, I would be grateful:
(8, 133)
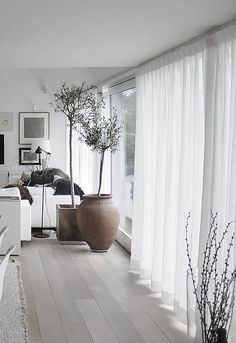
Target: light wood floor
(77, 296)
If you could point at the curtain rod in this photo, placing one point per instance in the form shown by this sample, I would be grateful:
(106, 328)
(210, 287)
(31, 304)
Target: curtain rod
(190, 41)
(123, 81)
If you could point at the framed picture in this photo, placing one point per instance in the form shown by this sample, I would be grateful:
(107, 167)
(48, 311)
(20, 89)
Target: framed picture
(27, 156)
(6, 121)
(1, 149)
(33, 126)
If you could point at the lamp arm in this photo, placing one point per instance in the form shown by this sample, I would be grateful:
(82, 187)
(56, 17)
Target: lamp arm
(46, 152)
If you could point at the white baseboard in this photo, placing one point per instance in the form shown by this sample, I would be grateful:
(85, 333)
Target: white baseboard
(124, 240)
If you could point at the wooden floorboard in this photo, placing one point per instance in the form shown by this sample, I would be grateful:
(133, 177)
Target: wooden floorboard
(33, 326)
(98, 327)
(63, 295)
(78, 296)
(113, 312)
(48, 317)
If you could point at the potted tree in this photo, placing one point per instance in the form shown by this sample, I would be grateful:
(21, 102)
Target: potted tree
(98, 218)
(76, 103)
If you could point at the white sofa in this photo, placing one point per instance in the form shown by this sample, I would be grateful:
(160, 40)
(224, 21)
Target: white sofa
(35, 214)
(50, 203)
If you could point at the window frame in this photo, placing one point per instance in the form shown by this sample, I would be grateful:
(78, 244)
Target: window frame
(122, 237)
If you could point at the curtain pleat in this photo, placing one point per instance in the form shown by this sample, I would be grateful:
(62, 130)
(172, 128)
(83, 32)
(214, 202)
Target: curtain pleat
(185, 159)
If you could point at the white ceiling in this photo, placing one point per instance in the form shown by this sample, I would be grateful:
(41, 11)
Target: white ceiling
(101, 33)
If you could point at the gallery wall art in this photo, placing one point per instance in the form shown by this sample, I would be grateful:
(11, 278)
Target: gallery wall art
(33, 126)
(28, 157)
(1, 149)
(6, 121)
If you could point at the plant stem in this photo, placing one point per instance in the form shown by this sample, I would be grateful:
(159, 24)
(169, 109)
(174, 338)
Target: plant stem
(72, 190)
(100, 171)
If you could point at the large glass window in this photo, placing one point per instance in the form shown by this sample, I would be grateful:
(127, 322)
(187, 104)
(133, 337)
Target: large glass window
(123, 99)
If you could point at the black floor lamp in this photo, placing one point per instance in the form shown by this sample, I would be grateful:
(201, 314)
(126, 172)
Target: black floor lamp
(42, 146)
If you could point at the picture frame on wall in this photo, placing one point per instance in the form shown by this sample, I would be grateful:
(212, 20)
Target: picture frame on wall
(33, 126)
(1, 149)
(28, 157)
(6, 121)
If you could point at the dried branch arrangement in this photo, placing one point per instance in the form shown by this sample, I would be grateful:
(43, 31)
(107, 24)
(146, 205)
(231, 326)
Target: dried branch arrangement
(214, 289)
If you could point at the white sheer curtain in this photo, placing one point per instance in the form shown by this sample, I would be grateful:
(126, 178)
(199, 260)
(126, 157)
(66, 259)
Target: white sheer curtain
(219, 190)
(185, 157)
(84, 163)
(168, 168)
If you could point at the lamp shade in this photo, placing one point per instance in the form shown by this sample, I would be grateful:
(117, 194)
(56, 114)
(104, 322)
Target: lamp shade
(44, 144)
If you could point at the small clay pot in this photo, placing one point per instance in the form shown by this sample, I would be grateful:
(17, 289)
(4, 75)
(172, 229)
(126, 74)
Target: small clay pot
(98, 221)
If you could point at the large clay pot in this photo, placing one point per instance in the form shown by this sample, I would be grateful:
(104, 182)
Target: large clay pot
(98, 221)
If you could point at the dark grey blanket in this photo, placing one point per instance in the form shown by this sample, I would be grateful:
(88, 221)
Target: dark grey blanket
(62, 187)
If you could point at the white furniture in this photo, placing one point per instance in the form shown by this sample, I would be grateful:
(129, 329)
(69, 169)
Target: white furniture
(3, 267)
(25, 213)
(33, 213)
(2, 232)
(50, 203)
(25, 221)
(10, 209)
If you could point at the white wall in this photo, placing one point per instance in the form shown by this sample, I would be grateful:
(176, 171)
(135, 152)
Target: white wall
(21, 88)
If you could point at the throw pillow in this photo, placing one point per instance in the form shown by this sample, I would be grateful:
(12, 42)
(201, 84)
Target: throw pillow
(25, 179)
(38, 178)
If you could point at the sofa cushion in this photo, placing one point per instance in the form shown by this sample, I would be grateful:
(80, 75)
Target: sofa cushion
(37, 191)
(25, 179)
(14, 179)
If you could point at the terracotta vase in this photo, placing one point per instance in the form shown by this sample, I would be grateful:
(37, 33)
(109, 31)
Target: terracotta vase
(98, 221)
